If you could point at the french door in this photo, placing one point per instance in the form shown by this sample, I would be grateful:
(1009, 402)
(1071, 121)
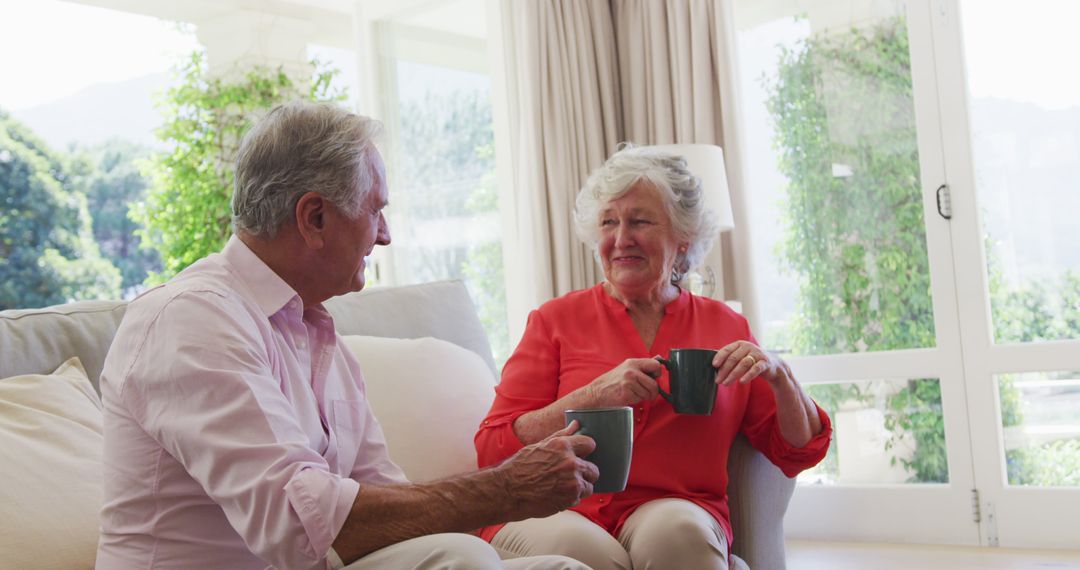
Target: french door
(945, 359)
(1010, 119)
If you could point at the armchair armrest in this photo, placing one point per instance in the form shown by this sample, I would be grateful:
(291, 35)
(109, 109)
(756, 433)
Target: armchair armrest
(758, 496)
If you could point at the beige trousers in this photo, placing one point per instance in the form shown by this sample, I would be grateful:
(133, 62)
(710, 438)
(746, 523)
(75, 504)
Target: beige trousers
(452, 551)
(661, 534)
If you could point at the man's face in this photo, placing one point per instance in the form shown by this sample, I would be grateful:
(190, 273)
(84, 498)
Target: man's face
(352, 239)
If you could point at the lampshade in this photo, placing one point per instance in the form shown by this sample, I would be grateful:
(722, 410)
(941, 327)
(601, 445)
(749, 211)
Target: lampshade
(706, 161)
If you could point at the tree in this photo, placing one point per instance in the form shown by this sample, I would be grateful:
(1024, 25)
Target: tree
(447, 170)
(445, 148)
(484, 267)
(857, 242)
(111, 179)
(47, 250)
(187, 214)
(845, 127)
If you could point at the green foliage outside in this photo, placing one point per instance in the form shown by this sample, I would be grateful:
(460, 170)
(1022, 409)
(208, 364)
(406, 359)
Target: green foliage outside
(111, 179)
(483, 267)
(1051, 463)
(445, 140)
(1054, 464)
(186, 213)
(47, 250)
(856, 242)
(446, 169)
(1032, 312)
(916, 411)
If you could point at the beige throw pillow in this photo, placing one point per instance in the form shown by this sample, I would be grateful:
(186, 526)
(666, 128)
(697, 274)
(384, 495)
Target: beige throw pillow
(430, 396)
(50, 470)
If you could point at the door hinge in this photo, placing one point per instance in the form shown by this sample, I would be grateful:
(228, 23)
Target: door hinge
(991, 525)
(986, 517)
(944, 201)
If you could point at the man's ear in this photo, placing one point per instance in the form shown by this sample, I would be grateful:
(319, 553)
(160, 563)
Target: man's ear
(310, 215)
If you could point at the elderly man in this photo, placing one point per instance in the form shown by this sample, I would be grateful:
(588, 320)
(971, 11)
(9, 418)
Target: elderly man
(237, 432)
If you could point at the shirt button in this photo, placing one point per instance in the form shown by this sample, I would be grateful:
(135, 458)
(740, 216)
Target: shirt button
(301, 344)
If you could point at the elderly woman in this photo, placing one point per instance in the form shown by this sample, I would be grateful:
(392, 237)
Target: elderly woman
(643, 212)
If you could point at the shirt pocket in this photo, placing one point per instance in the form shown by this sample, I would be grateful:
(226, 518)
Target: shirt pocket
(348, 420)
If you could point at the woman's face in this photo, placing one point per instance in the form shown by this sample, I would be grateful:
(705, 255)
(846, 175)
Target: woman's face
(637, 243)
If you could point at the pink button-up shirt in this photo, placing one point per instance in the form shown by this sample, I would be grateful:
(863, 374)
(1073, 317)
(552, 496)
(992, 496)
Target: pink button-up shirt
(237, 429)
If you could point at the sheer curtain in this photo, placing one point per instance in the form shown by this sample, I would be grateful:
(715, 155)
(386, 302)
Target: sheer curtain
(582, 76)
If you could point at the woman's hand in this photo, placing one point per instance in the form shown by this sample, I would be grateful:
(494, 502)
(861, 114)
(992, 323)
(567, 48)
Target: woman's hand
(742, 361)
(631, 382)
(625, 385)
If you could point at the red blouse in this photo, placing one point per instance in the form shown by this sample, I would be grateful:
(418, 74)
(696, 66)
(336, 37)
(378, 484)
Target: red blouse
(570, 341)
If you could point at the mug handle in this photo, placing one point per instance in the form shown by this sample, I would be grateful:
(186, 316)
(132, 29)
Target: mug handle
(667, 364)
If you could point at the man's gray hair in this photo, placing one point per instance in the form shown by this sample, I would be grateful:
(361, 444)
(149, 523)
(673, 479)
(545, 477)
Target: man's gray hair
(296, 148)
(679, 191)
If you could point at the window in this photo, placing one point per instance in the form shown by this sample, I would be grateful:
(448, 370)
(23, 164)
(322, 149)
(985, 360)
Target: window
(941, 342)
(1025, 134)
(435, 98)
(833, 157)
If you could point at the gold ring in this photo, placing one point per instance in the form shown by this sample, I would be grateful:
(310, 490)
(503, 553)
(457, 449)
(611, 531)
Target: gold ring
(753, 360)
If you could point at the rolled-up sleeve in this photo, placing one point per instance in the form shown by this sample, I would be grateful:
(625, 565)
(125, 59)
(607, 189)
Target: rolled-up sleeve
(216, 407)
(762, 428)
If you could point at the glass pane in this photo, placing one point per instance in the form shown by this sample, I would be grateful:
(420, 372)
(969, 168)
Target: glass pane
(884, 432)
(1025, 123)
(444, 217)
(1040, 421)
(836, 208)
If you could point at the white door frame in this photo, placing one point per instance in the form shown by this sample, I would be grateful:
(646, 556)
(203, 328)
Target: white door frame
(1011, 516)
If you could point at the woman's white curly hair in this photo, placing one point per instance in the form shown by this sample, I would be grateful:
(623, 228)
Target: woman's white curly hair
(679, 190)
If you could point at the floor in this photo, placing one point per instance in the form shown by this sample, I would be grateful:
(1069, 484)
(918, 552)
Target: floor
(858, 556)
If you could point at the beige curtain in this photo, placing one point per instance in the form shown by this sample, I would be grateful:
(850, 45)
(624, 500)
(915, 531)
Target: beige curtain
(589, 74)
(669, 61)
(564, 123)
(677, 76)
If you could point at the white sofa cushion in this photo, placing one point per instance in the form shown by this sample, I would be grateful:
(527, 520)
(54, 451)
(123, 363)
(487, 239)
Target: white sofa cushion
(36, 341)
(430, 396)
(442, 310)
(50, 450)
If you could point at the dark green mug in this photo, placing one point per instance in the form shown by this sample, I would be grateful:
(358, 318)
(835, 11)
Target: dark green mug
(693, 380)
(613, 431)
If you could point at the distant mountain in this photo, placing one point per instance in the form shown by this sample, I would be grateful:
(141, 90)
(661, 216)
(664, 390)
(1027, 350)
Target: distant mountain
(110, 110)
(1027, 169)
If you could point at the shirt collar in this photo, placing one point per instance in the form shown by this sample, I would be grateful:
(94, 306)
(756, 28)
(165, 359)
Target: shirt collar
(267, 288)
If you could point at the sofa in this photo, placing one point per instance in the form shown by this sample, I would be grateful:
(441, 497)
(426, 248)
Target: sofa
(430, 377)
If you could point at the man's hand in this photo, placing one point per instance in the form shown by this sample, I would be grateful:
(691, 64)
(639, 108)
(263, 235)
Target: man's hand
(631, 382)
(550, 475)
